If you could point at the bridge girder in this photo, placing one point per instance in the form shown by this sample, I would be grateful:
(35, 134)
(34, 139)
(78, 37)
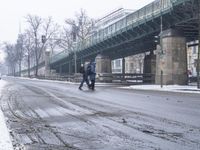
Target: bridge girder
(182, 16)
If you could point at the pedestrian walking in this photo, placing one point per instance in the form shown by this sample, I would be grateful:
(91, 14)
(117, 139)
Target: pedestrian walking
(92, 74)
(84, 77)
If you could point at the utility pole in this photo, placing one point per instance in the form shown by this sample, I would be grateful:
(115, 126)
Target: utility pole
(75, 57)
(198, 58)
(161, 45)
(75, 34)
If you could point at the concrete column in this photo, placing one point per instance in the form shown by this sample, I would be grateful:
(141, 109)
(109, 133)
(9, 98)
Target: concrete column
(149, 68)
(47, 63)
(103, 68)
(172, 58)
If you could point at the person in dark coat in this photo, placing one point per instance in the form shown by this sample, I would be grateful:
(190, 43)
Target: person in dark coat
(85, 77)
(92, 74)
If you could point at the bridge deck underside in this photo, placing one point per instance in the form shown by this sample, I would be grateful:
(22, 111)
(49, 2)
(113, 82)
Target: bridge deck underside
(140, 37)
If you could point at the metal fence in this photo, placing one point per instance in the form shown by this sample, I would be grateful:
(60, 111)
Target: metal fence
(138, 78)
(131, 78)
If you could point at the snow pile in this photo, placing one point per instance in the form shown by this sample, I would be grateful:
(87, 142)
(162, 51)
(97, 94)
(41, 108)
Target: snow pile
(5, 141)
(170, 88)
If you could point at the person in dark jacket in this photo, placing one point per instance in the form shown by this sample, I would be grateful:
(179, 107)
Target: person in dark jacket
(85, 77)
(92, 74)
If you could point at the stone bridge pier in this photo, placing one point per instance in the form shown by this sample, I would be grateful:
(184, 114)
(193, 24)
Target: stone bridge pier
(171, 58)
(103, 68)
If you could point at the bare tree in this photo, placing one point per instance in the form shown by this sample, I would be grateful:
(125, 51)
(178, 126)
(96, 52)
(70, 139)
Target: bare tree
(11, 57)
(2, 68)
(50, 31)
(35, 22)
(82, 23)
(19, 47)
(66, 40)
(80, 27)
(52, 44)
(39, 27)
(28, 49)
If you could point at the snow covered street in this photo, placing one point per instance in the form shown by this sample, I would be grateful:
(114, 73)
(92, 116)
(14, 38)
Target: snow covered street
(48, 115)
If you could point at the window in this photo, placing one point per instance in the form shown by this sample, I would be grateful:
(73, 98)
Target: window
(118, 63)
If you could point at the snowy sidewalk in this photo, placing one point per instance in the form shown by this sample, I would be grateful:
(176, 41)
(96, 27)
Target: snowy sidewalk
(5, 141)
(168, 88)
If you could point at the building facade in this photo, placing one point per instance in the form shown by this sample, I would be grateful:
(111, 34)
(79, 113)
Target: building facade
(192, 55)
(133, 64)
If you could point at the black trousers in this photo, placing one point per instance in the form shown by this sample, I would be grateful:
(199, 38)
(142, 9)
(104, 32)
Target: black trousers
(85, 79)
(92, 84)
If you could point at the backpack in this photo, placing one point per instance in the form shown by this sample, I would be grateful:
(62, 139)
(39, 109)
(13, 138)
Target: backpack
(89, 69)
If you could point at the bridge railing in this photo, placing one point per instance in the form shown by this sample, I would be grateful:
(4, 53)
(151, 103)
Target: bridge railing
(134, 78)
(149, 11)
(59, 56)
(69, 78)
(138, 78)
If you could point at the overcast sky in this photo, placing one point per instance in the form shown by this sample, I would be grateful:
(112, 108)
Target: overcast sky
(12, 12)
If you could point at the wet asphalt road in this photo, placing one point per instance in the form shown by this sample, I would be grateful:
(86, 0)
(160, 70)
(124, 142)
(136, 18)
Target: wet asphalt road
(46, 115)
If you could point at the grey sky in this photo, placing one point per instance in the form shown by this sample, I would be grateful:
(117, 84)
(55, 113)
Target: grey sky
(12, 12)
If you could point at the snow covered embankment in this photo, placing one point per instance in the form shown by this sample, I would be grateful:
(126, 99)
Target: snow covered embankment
(5, 141)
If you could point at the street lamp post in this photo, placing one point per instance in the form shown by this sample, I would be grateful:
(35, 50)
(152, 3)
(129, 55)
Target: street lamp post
(46, 57)
(198, 59)
(74, 34)
(75, 57)
(161, 46)
(75, 30)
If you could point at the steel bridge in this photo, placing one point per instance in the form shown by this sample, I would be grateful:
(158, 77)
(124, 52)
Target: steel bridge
(134, 33)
